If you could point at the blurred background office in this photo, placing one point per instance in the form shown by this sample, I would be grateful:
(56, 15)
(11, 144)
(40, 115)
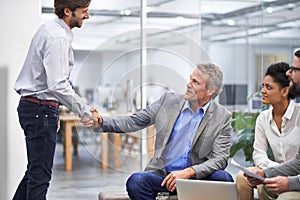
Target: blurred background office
(129, 52)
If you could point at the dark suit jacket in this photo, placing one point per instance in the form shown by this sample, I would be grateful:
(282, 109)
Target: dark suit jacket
(211, 143)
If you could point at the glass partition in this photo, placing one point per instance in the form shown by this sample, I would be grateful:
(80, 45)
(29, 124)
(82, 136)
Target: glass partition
(243, 37)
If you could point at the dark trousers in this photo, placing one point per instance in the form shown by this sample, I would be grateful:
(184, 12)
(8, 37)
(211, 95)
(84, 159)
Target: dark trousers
(39, 123)
(146, 185)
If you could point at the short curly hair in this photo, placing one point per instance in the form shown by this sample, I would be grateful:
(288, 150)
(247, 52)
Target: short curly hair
(60, 5)
(278, 72)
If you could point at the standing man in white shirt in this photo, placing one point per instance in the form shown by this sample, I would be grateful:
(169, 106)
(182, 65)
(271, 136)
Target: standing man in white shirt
(43, 84)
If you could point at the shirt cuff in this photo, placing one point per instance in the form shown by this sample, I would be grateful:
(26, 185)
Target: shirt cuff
(294, 183)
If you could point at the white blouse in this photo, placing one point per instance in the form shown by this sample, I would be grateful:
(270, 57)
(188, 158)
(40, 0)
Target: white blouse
(284, 145)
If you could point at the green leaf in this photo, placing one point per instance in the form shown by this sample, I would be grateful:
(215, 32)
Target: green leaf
(244, 124)
(235, 148)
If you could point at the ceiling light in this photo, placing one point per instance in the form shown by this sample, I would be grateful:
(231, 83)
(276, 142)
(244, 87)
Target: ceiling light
(179, 18)
(291, 6)
(269, 10)
(230, 22)
(290, 24)
(148, 9)
(125, 12)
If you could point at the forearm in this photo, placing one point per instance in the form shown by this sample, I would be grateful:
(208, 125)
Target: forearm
(190, 172)
(289, 168)
(123, 124)
(65, 94)
(208, 167)
(262, 161)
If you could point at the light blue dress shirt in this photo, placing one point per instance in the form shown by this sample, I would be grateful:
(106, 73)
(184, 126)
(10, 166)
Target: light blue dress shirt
(177, 152)
(47, 67)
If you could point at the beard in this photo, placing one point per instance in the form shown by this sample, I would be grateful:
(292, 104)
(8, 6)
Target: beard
(74, 22)
(295, 90)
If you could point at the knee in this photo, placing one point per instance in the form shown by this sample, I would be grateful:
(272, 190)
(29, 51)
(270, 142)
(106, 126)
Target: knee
(221, 175)
(241, 181)
(240, 178)
(227, 176)
(133, 182)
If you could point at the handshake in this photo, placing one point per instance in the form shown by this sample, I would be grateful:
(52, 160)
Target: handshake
(95, 121)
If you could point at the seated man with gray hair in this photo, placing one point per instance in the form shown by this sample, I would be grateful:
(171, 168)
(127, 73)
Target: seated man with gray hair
(192, 135)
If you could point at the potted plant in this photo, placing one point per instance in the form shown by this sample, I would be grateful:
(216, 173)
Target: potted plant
(244, 124)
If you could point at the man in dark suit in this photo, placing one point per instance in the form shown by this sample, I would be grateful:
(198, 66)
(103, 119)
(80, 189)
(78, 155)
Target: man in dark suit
(192, 135)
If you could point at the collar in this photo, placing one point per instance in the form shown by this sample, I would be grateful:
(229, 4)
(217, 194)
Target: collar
(63, 24)
(288, 113)
(188, 106)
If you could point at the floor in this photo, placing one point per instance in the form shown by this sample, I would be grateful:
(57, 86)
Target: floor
(87, 178)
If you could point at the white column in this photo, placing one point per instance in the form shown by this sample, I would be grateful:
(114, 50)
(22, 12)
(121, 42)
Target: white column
(20, 20)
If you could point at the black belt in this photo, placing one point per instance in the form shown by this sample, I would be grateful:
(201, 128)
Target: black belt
(50, 103)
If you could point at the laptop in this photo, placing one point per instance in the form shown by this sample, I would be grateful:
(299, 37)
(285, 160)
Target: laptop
(205, 190)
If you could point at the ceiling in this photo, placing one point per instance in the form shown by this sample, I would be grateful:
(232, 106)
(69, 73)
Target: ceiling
(230, 21)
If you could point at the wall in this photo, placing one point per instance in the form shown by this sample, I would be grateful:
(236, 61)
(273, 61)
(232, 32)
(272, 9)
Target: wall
(3, 132)
(238, 61)
(20, 20)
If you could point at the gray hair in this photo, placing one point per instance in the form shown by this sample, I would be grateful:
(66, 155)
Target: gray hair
(215, 80)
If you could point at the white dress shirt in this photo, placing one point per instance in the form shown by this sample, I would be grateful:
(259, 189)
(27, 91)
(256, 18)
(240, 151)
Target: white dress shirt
(47, 67)
(284, 145)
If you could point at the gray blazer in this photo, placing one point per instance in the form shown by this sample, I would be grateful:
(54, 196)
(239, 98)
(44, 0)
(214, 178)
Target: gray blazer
(211, 143)
(291, 169)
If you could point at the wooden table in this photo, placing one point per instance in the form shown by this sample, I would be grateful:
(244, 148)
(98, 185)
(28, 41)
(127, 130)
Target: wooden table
(71, 120)
(118, 143)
